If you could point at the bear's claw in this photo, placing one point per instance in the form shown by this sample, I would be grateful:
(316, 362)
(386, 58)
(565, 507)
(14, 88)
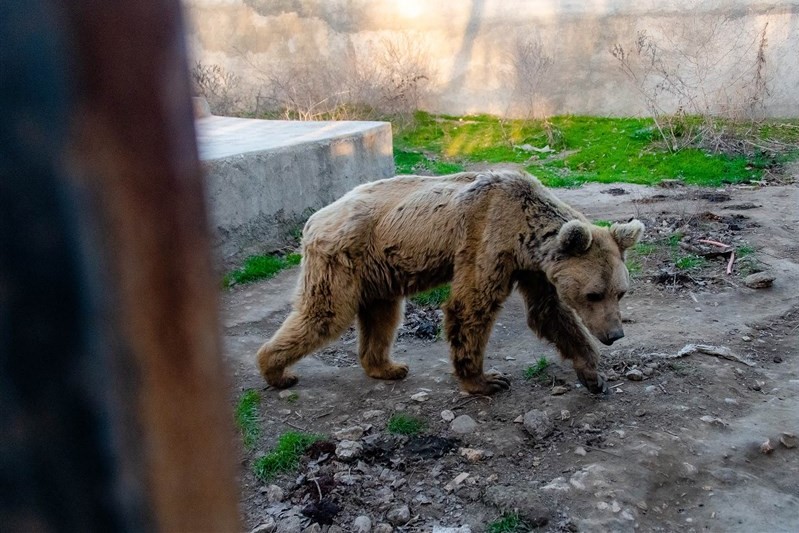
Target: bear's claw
(595, 383)
(486, 384)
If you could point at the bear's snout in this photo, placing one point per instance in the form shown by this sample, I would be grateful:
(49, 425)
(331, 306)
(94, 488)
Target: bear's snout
(613, 336)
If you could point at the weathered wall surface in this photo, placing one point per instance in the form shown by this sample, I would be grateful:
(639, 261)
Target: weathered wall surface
(470, 47)
(264, 178)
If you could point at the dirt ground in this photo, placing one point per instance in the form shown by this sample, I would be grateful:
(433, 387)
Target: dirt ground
(675, 448)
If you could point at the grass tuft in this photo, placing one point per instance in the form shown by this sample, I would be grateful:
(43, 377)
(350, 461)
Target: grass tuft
(247, 417)
(402, 424)
(603, 223)
(433, 297)
(259, 267)
(285, 457)
(508, 523)
(539, 370)
(689, 262)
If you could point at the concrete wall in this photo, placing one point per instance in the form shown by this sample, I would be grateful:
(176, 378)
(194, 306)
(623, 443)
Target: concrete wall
(265, 178)
(470, 47)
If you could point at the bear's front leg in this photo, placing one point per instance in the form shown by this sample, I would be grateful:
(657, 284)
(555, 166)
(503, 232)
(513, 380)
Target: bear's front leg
(551, 319)
(468, 328)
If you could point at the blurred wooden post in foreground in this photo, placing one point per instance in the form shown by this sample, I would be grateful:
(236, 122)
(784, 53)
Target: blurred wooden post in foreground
(113, 410)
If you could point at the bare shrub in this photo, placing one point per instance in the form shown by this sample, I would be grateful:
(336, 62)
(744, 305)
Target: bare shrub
(221, 88)
(690, 76)
(529, 65)
(389, 78)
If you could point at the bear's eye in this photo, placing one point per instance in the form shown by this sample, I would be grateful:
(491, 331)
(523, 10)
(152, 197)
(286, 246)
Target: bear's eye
(595, 297)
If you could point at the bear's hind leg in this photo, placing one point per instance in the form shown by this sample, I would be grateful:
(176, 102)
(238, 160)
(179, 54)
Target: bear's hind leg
(377, 325)
(326, 306)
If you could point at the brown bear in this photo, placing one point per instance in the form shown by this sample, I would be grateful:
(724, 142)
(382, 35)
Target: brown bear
(486, 232)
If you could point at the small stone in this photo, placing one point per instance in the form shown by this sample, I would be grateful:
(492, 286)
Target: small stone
(777, 359)
(760, 280)
(640, 412)
(615, 507)
(268, 526)
(519, 419)
(766, 447)
(456, 481)
(274, 494)
(362, 524)
(350, 433)
(284, 394)
(313, 528)
(463, 424)
(642, 505)
(698, 309)
(474, 455)
(731, 401)
(788, 440)
(399, 516)
(579, 450)
(447, 415)
(348, 450)
(559, 390)
(538, 424)
(688, 470)
(634, 375)
(383, 528)
(712, 420)
(746, 338)
(335, 529)
(565, 414)
(420, 397)
(373, 413)
(289, 524)
(650, 388)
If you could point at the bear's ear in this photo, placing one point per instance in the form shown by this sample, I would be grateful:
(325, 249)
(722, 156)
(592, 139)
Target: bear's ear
(627, 234)
(575, 237)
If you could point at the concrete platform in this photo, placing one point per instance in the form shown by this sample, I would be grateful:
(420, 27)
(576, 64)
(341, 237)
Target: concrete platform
(265, 177)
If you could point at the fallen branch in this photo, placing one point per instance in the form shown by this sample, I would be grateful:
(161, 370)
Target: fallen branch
(715, 243)
(716, 351)
(729, 265)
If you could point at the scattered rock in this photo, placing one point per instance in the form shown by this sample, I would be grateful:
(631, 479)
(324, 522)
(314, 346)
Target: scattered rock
(399, 515)
(373, 413)
(538, 424)
(766, 447)
(474, 455)
(350, 433)
(447, 415)
(456, 481)
(788, 440)
(362, 524)
(634, 375)
(284, 394)
(579, 450)
(313, 528)
(650, 388)
(268, 526)
(519, 419)
(348, 450)
(640, 412)
(289, 524)
(777, 359)
(420, 397)
(463, 424)
(717, 351)
(688, 471)
(759, 280)
(274, 494)
(714, 421)
(383, 528)
(564, 414)
(559, 390)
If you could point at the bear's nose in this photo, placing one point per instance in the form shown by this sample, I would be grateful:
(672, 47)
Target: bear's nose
(614, 335)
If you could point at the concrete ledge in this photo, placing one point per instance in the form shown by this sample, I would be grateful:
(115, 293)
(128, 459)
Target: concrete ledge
(265, 177)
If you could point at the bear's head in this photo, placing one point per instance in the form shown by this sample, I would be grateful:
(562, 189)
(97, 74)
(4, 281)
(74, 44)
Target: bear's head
(591, 276)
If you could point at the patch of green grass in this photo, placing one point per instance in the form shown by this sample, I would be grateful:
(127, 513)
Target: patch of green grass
(259, 267)
(674, 239)
(402, 424)
(433, 297)
(247, 417)
(293, 397)
(407, 162)
(744, 251)
(603, 223)
(596, 149)
(689, 262)
(285, 457)
(508, 523)
(643, 249)
(539, 370)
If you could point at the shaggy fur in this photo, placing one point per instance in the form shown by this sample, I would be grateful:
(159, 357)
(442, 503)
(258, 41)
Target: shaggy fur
(486, 232)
